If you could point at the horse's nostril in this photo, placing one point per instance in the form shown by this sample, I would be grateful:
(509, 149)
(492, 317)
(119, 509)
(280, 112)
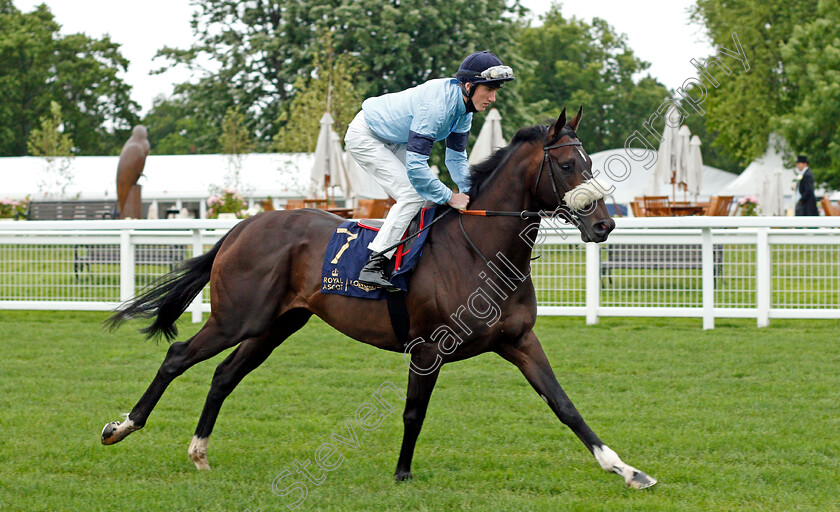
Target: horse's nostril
(601, 228)
(604, 227)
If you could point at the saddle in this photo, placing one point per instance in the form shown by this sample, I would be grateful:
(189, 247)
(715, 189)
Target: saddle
(347, 253)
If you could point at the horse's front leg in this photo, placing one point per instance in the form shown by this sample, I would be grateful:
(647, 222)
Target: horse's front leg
(421, 382)
(527, 354)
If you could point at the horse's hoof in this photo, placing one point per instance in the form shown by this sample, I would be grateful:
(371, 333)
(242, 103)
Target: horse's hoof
(402, 476)
(108, 430)
(116, 431)
(201, 463)
(641, 481)
(110, 433)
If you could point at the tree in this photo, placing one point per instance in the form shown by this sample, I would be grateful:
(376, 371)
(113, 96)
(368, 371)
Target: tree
(235, 138)
(50, 141)
(235, 142)
(263, 47)
(178, 126)
(812, 57)
(589, 65)
(743, 109)
(330, 90)
(37, 66)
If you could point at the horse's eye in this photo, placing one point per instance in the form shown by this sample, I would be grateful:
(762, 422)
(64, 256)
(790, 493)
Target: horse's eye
(566, 167)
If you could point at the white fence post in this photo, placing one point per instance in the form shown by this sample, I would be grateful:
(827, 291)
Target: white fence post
(762, 277)
(593, 282)
(766, 260)
(708, 278)
(197, 250)
(127, 270)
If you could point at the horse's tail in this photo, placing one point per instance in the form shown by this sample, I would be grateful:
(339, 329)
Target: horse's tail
(168, 297)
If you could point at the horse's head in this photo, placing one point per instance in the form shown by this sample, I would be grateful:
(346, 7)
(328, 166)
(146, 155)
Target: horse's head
(564, 182)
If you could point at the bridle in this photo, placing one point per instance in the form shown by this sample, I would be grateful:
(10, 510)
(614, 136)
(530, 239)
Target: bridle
(568, 214)
(554, 174)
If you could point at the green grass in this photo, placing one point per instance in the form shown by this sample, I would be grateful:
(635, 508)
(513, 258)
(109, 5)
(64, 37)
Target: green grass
(734, 419)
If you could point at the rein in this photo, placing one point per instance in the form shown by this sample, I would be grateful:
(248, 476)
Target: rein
(413, 235)
(572, 215)
(554, 177)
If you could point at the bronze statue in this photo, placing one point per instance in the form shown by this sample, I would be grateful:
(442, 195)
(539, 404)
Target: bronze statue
(129, 169)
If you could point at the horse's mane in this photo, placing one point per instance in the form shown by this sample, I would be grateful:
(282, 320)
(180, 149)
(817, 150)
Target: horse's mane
(481, 172)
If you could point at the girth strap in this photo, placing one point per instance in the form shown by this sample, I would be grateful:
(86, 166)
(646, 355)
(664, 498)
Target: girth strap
(398, 312)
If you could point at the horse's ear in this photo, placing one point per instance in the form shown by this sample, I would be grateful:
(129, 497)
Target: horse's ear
(554, 132)
(576, 120)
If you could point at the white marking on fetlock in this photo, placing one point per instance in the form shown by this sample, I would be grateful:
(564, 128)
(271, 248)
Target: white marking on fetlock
(127, 426)
(610, 461)
(607, 458)
(198, 452)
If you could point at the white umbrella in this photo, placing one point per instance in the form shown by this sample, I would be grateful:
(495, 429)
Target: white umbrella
(489, 138)
(338, 169)
(153, 210)
(681, 154)
(321, 166)
(362, 183)
(694, 167)
(665, 163)
(772, 194)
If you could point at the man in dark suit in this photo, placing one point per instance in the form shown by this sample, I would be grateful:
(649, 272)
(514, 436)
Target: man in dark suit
(807, 203)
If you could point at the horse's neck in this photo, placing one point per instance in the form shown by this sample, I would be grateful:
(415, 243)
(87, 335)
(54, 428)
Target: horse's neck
(507, 191)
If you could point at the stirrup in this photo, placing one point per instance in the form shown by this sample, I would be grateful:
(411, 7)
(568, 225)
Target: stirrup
(373, 273)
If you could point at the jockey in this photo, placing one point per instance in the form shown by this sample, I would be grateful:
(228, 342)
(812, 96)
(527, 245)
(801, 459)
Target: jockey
(391, 139)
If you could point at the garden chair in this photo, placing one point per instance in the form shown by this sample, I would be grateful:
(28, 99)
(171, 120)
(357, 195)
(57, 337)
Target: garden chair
(657, 206)
(719, 206)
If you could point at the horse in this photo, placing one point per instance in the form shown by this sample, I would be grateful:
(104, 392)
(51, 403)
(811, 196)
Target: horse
(265, 280)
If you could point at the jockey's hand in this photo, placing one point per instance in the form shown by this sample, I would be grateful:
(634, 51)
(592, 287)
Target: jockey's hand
(459, 201)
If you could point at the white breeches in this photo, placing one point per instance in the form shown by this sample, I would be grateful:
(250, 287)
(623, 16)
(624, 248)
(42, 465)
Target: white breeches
(385, 161)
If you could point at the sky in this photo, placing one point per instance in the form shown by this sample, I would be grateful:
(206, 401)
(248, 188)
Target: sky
(658, 32)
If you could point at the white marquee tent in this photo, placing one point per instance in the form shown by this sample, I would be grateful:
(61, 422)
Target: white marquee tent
(754, 180)
(165, 177)
(633, 181)
(750, 181)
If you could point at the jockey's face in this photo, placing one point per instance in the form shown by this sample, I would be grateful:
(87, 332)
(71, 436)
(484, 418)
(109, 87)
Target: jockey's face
(483, 96)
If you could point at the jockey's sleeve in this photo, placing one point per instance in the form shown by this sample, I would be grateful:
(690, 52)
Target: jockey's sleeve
(456, 160)
(428, 118)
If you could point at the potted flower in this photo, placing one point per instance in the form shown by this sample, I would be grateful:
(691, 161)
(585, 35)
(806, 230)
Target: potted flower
(748, 206)
(14, 209)
(227, 203)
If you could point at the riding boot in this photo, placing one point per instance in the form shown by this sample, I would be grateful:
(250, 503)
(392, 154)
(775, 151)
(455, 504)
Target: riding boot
(373, 273)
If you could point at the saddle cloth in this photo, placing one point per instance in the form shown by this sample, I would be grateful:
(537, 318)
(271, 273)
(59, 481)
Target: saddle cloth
(347, 253)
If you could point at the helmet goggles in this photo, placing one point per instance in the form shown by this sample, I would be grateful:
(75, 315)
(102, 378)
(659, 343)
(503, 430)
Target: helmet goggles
(497, 73)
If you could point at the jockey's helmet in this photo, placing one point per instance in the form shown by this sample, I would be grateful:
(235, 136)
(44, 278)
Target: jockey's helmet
(484, 68)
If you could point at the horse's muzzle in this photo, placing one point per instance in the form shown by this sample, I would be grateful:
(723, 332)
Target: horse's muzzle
(598, 231)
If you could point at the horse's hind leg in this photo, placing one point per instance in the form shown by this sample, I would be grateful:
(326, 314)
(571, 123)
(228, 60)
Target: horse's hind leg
(248, 355)
(208, 342)
(528, 356)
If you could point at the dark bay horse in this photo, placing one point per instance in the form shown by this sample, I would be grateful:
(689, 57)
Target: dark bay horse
(471, 292)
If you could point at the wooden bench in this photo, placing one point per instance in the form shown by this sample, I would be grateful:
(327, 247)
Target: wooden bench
(71, 210)
(86, 255)
(828, 208)
(658, 257)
